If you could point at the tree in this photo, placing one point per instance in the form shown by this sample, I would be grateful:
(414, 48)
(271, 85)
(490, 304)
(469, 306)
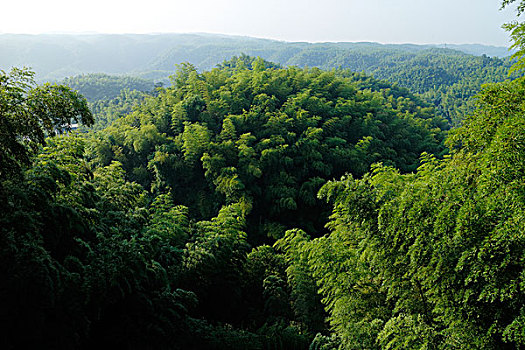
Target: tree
(432, 259)
(517, 34)
(29, 113)
(266, 138)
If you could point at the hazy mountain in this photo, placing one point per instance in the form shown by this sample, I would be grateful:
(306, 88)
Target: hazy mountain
(478, 50)
(153, 56)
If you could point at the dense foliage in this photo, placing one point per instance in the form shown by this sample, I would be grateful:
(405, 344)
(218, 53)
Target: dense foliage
(517, 34)
(100, 251)
(110, 97)
(96, 87)
(152, 56)
(106, 111)
(447, 76)
(207, 215)
(267, 138)
(433, 259)
(446, 79)
(28, 113)
(91, 260)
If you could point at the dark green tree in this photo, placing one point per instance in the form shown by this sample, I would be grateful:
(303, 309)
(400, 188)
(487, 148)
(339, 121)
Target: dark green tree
(28, 113)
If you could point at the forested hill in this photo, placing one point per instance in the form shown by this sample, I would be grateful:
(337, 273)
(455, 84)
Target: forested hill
(287, 205)
(96, 87)
(147, 234)
(446, 76)
(153, 233)
(59, 56)
(446, 79)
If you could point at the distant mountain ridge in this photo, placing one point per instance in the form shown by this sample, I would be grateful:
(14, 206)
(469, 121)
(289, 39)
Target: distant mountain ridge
(478, 49)
(153, 56)
(445, 76)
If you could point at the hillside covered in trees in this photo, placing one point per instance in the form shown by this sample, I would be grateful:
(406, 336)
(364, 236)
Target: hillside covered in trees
(169, 208)
(447, 75)
(446, 78)
(55, 56)
(257, 205)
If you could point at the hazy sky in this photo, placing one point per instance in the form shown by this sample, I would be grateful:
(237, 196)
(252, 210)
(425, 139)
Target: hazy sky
(385, 21)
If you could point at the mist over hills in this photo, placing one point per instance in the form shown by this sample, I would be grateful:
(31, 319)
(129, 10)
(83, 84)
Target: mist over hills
(478, 49)
(153, 56)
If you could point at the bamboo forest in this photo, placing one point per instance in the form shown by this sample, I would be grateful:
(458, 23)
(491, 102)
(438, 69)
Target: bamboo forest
(313, 197)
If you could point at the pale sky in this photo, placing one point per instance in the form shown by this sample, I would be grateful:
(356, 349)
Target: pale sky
(384, 21)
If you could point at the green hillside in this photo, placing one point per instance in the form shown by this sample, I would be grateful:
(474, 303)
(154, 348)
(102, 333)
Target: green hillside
(446, 77)
(178, 199)
(195, 192)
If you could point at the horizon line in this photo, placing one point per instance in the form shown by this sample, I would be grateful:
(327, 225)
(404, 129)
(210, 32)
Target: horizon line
(95, 33)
